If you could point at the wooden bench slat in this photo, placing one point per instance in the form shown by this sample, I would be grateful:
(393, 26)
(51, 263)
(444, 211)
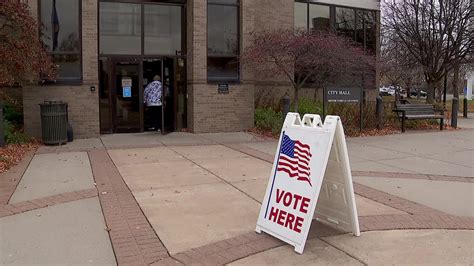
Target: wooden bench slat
(417, 111)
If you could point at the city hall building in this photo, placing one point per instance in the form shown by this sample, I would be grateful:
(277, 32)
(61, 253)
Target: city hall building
(108, 51)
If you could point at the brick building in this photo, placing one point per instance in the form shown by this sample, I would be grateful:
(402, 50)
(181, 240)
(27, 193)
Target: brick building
(108, 51)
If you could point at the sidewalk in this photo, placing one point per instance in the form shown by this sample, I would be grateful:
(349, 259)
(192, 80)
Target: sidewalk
(185, 198)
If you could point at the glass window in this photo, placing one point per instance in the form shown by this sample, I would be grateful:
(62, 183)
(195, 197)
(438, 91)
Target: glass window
(345, 21)
(370, 22)
(222, 68)
(61, 37)
(319, 17)
(223, 40)
(359, 29)
(222, 30)
(162, 29)
(301, 15)
(120, 28)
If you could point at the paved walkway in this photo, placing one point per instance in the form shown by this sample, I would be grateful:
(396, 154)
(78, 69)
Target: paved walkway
(187, 198)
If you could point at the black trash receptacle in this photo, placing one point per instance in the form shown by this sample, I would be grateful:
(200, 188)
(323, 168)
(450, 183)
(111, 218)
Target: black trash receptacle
(54, 122)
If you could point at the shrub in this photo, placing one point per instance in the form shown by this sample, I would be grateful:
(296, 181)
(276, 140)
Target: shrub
(309, 106)
(13, 135)
(12, 114)
(269, 120)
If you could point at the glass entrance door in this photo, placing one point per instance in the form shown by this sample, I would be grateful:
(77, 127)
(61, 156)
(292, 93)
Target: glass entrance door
(126, 95)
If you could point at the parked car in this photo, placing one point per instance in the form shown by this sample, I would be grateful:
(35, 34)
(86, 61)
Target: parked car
(391, 90)
(414, 92)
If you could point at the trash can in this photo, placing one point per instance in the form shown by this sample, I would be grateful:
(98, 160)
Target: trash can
(54, 122)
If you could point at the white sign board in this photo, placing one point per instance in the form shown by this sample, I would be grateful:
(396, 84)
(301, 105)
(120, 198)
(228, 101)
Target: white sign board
(126, 82)
(311, 179)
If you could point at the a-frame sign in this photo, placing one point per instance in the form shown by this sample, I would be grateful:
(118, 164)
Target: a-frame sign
(311, 179)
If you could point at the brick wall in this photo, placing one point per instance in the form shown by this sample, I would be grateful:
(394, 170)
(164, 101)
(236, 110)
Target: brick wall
(209, 111)
(83, 103)
(83, 108)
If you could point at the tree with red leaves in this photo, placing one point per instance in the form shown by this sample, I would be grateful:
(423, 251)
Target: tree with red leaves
(23, 57)
(318, 57)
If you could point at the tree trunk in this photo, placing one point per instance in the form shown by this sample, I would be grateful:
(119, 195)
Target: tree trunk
(295, 100)
(315, 96)
(456, 81)
(430, 91)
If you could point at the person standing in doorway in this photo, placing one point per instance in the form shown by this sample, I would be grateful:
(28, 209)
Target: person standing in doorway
(152, 96)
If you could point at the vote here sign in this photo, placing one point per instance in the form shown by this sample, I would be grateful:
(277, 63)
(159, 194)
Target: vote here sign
(297, 178)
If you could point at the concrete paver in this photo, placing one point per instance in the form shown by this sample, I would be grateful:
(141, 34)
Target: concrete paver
(455, 198)
(132, 139)
(367, 207)
(193, 216)
(183, 138)
(464, 158)
(316, 253)
(67, 234)
(255, 188)
(230, 137)
(428, 247)
(51, 174)
(377, 167)
(430, 166)
(268, 147)
(150, 176)
(237, 169)
(77, 144)
(367, 152)
(143, 155)
(210, 152)
(418, 143)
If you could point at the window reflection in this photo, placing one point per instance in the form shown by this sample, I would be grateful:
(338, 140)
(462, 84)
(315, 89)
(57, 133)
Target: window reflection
(222, 30)
(162, 29)
(222, 40)
(60, 25)
(319, 17)
(120, 28)
(301, 15)
(345, 21)
(60, 35)
(370, 21)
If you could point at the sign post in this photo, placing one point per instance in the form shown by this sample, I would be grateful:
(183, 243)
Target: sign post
(310, 179)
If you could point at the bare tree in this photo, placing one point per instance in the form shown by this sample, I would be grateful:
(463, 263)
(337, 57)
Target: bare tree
(437, 34)
(307, 57)
(397, 66)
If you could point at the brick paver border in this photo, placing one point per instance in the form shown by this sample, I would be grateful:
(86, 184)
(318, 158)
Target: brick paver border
(34, 204)
(135, 242)
(133, 239)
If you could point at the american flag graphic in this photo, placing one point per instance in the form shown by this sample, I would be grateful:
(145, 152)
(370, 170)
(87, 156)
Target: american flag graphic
(294, 159)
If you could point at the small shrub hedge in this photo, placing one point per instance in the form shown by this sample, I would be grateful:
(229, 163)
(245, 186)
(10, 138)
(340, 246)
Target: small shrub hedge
(267, 119)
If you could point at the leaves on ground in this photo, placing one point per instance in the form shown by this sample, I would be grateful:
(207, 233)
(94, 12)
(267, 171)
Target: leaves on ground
(12, 154)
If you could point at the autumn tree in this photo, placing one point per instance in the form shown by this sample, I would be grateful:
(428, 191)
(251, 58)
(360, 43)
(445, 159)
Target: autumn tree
(438, 34)
(319, 58)
(23, 57)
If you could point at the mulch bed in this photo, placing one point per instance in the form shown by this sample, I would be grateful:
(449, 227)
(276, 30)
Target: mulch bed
(12, 154)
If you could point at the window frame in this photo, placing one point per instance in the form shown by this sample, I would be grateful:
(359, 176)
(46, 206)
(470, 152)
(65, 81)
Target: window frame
(332, 19)
(59, 80)
(143, 3)
(217, 80)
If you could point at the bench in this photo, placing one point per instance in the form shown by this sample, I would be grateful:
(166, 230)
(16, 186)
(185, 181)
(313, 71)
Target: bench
(418, 111)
